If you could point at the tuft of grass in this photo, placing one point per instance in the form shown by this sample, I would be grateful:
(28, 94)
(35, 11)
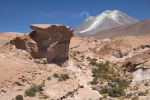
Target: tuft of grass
(93, 62)
(116, 89)
(49, 78)
(31, 92)
(19, 97)
(43, 96)
(100, 72)
(63, 77)
(94, 81)
(56, 75)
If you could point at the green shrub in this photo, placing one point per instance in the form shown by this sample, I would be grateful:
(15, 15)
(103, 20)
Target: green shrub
(104, 90)
(123, 84)
(63, 77)
(101, 71)
(19, 97)
(93, 62)
(113, 92)
(104, 72)
(56, 75)
(94, 81)
(142, 94)
(117, 89)
(31, 92)
(82, 57)
(49, 78)
(36, 88)
(43, 96)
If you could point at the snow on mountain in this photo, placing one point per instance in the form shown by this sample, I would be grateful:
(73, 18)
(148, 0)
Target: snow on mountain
(106, 20)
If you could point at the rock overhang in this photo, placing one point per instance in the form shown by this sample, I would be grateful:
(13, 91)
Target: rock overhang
(51, 40)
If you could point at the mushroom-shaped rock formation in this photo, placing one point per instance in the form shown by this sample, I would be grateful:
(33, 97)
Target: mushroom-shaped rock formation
(52, 42)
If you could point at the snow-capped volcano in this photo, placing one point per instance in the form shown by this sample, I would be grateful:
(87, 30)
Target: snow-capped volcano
(106, 20)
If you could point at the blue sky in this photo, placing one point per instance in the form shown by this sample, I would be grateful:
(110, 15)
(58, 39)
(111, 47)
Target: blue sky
(17, 15)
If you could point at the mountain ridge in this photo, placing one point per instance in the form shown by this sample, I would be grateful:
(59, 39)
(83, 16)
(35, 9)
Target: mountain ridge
(106, 20)
(140, 28)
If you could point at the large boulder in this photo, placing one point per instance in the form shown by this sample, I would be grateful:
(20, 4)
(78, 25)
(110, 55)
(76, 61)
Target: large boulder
(26, 43)
(51, 41)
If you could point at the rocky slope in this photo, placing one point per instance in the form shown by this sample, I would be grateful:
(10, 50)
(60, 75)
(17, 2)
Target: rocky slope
(140, 28)
(93, 65)
(46, 41)
(51, 81)
(128, 59)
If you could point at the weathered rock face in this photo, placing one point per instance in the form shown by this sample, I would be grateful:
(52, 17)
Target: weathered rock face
(46, 41)
(26, 43)
(52, 41)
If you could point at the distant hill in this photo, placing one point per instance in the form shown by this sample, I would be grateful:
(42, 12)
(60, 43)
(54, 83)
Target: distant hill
(140, 28)
(106, 20)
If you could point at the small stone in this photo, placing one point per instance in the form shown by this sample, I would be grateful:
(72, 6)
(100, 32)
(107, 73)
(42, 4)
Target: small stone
(3, 91)
(19, 83)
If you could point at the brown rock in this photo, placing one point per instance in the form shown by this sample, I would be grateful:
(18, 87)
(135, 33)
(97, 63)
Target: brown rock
(52, 41)
(46, 41)
(25, 43)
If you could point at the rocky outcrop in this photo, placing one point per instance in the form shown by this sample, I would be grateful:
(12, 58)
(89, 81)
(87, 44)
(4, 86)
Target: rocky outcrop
(25, 43)
(52, 41)
(7, 36)
(46, 41)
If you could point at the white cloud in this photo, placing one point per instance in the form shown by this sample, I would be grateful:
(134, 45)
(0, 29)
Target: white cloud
(85, 13)
(63, 14)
